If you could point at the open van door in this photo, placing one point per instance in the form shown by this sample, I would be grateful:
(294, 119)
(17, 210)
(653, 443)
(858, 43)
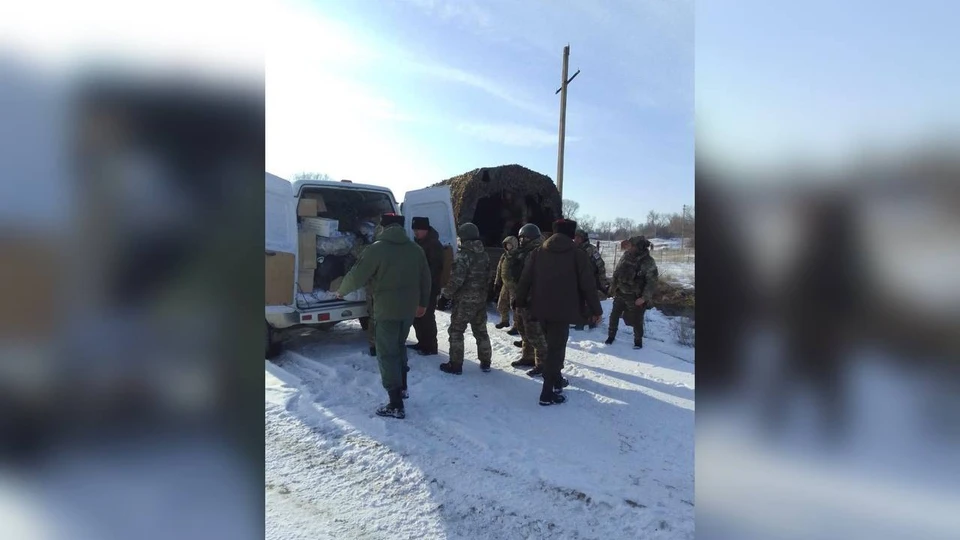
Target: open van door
(436, 204)
(280, 249)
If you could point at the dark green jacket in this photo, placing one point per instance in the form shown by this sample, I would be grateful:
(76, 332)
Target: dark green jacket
(396, 270)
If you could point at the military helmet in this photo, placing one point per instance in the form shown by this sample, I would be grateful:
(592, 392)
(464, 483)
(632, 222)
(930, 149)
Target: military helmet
(529, 231)
(468, 231)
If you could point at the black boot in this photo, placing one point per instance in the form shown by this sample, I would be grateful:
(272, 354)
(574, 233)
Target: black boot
(578, 327)
(414, 347)
(447, 367)
(394, 409)
(638, 343)
(535, 372)
(501, 324)
(373, 351)
(403, 385)
(513, 332)
(518, 344)
(609, 340)
(548, 395)
(522, 363)
(424, 351)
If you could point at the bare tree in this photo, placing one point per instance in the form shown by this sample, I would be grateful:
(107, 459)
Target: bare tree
(570, 209)
(604, 228)
(313, 176)
(587, 223)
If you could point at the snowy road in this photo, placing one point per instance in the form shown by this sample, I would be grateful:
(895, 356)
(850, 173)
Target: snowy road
(477, 457)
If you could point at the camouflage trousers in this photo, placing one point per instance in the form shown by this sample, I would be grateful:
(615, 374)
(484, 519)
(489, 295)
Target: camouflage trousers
(534, 340)
(624, 306)
(372, 325)
(507, 294)
(475, 315)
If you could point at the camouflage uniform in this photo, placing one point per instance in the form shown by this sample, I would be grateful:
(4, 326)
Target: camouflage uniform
(505, 281)
(603, 283)
(635, 277)
(534, 340)
(467, 289)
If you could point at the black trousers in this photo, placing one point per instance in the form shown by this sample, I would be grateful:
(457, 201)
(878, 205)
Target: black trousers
(557, 334)
(426, 327)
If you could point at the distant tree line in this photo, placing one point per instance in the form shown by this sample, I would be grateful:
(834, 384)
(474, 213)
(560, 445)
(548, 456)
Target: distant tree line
(657, 225)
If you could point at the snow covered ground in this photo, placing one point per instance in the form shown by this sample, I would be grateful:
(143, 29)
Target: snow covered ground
(477, 457)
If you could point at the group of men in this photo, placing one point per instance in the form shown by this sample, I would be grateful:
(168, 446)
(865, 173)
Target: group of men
(550, 285)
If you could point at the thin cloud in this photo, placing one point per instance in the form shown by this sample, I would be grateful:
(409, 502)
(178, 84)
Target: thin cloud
(513, 134)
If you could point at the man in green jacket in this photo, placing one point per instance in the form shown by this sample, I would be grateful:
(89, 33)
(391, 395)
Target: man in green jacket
(396, 270)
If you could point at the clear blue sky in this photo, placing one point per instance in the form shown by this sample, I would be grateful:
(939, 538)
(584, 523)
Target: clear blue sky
(818, 81)
(408, 92)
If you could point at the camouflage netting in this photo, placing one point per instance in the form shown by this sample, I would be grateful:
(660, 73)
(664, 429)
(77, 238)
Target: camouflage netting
(499, 200)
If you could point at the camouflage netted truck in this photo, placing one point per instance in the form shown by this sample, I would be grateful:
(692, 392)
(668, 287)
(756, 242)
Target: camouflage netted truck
(500, 200)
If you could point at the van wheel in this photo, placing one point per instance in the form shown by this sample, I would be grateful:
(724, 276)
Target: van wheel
(364, 322)
(273, 345)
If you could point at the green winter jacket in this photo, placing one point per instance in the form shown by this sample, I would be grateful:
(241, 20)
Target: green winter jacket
(396, 270)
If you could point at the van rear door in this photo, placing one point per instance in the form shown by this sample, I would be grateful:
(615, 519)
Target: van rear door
(436, 204)
(280, 248)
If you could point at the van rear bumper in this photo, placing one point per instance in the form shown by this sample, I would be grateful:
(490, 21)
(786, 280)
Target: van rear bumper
(336, 311)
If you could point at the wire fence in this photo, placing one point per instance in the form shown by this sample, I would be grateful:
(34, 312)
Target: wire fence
(672, 262)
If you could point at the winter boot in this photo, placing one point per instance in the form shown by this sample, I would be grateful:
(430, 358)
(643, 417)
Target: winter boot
(414, 347)
(394, 409)
(638, 344)
(485, 368)
(578, 327)
(549, 396)
(609, 340)
(502, 324)
(373, 351)
(513, 332)
(561, 384)
(535, 372)
(452, 369)
(403, 388)
(518, 344)
(523, 362)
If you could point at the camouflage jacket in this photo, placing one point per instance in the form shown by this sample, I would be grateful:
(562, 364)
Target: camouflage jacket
(470, 276)
(636, 276)
(598, 264)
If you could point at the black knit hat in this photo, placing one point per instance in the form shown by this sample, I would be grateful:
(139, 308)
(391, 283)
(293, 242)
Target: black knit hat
(391, 219)
(421, 224)
(566, 227)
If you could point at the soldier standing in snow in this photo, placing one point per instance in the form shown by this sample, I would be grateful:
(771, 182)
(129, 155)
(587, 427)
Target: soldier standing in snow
(634, 282)
(396, 270)
(426, 327)
(506, 282)
(533, 342)
(467, 292)
(558, 266)
(582, 240)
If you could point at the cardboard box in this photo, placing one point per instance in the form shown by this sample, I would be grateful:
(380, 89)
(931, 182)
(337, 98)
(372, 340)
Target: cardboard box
(321, 226)
(321, 205)
(279, 275)
(308, 250)
(307, 208)
(305, 281)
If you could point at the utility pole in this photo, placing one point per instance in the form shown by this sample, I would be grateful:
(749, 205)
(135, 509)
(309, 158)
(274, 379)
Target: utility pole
(683, 220)
(563, 115)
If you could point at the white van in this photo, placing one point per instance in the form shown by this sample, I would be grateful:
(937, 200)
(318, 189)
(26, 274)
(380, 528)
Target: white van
(313, 231)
